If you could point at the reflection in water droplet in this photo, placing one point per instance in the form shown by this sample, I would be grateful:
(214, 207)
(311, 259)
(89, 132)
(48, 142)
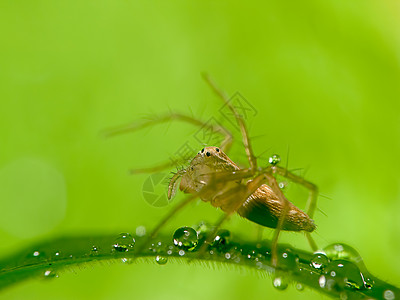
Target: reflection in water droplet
(186, 238)
(280, 283)
(274, 159)
(124, 243)
(161, 260)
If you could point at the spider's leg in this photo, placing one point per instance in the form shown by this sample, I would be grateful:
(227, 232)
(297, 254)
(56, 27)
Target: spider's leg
(245, 135)
(312, 196)
(136, 126)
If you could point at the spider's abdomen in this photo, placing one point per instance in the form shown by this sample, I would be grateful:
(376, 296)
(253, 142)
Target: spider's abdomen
(264, 208)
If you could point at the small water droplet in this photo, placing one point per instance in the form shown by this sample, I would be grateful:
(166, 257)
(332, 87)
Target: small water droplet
(186, 238)
(299, 286)
(222, 238)
(280, 283)
(343, 296)
(282, 185)
(127, 260)
(161, 260)
(140, 231)
(319, 261)
(274, 159)
(181, 252)
(388, 295)
(50, 274)
(57, 253)
(124, 243)
(36, 253)
(287, 259)
(227, 255)
(94, 250)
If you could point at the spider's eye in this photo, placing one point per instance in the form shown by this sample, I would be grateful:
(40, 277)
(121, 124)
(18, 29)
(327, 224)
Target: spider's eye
(217, 149)
(208, 154)
(202, 150)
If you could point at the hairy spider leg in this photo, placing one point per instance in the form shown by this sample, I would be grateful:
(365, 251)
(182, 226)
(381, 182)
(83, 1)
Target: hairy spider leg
(312, 197)
(245, 136)
(132, 127)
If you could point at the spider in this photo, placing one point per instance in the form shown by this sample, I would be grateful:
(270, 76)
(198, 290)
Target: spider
(251, 192)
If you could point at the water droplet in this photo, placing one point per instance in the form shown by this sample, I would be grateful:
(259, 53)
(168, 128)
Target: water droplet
(181, 252)
(94, 250)
(57, 253)
(280, 283)
(36, 253)
(282, 185)
(343, 296)
(50, 274)
(287, 259)
(347, 253)
(274, 159)
(161, 260)
(346, 273)
(222, 238)
(328, 283)
(124, 243)
(186, 238)
(319, 261)
(299, 286)
(127, 260)
(342, 251)
(140, 231)
(388, 295)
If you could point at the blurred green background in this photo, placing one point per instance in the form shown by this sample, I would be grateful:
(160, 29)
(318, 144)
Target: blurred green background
(322, 75)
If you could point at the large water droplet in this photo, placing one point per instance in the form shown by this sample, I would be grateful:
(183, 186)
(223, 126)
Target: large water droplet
(345, 252)
(280, 283)
(186, 238)
(161, 260)
(346, 273)
(124, 243)
(274, 159)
